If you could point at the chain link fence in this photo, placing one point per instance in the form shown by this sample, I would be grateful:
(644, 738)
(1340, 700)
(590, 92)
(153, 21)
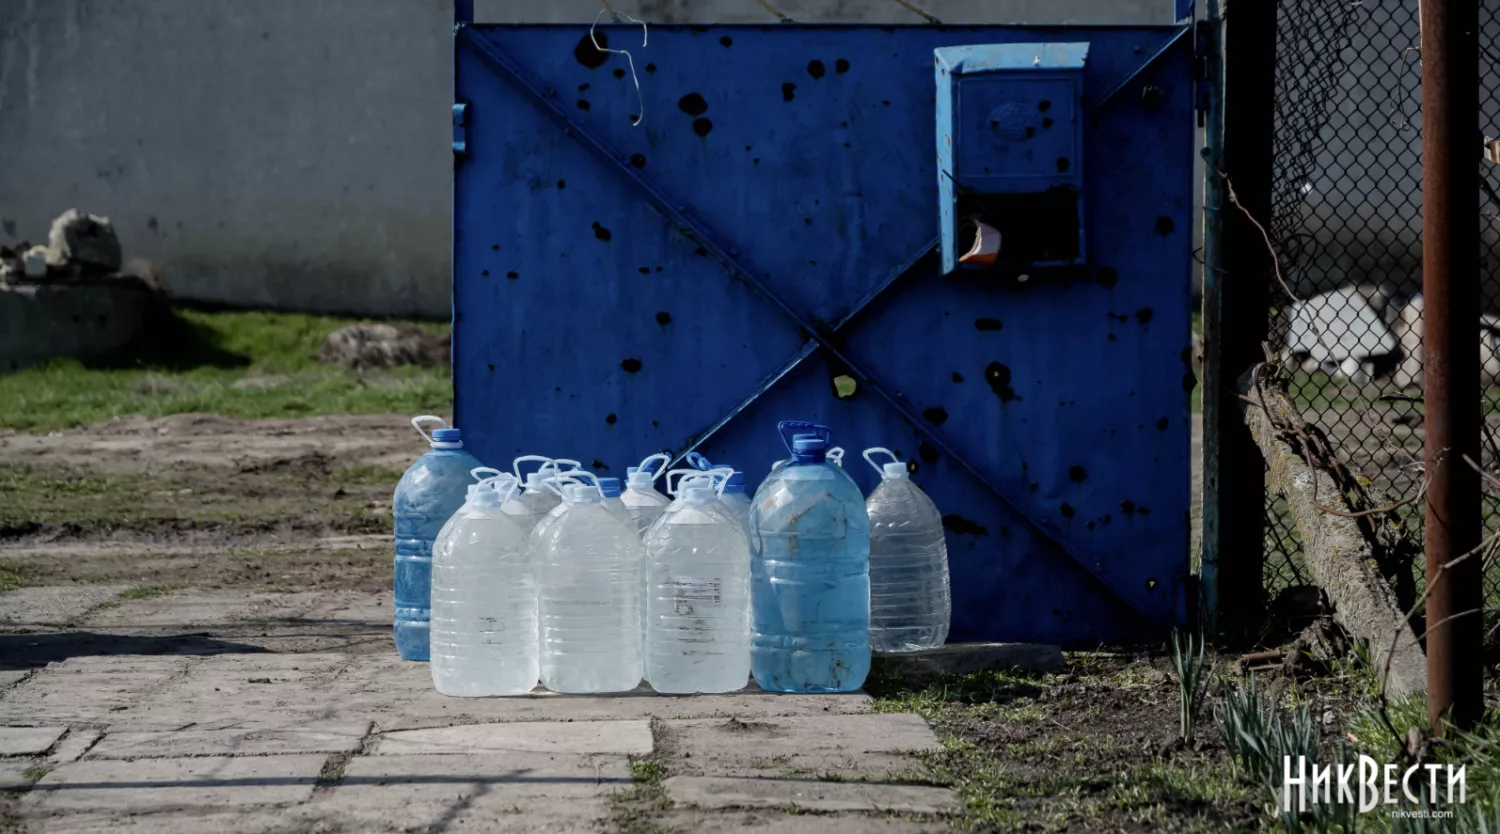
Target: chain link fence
(1346, 221)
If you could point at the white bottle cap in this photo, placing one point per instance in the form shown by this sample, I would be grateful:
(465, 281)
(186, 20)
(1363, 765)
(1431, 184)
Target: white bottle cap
(581, 494)
(698, 494)
(894, 470)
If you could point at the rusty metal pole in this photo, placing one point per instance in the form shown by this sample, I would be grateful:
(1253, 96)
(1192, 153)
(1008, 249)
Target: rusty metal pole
(1451, 145)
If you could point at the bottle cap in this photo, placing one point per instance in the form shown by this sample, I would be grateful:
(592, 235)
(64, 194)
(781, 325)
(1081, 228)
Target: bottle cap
(895, 470)
(610, 487)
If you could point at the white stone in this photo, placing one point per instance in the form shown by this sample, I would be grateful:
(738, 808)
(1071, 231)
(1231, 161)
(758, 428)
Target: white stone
(713, 793)
(74, 745)
(620, 737)
(311, 737)
(152, 785)
(28, 741)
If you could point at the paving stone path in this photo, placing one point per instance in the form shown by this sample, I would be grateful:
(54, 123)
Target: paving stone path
(233, 711)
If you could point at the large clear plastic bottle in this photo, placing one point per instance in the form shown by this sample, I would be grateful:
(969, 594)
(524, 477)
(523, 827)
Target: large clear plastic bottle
(590, 565)
(484, 598)
(538, 499)
(640, 497)
(810, 572)
(910, 599)
(698, 562)
(732, 496)
(610, 488)
(429, 493)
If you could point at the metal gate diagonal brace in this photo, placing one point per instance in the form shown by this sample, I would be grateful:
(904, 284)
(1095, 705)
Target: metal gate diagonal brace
(739, 265)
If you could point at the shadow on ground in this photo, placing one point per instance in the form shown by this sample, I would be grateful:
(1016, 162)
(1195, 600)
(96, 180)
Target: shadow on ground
(27, 651)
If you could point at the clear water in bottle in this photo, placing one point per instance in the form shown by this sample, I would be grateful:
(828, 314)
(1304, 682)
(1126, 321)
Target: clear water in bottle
(590, 565)
(698, 564)
(484, 599)
(429, 493)
(610, 488)
(810, 572)
(536, 497)
(732, 496)
(641, 497)
(910, 599)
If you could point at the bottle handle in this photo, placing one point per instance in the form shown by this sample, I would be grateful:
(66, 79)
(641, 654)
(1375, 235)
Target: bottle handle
(665, 459)
(515, 465)
(416, 423)
(788, 428)
(698, 462)
(490, 475)
(671, 488)
(574, 476)
(721, 476)
(878, 468)
(836, 454)
(573, 463)
(502, 482)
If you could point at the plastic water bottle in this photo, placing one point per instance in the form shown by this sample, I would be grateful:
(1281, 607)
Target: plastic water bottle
(810, 572)
(610, 488)
(910, 602)
(732, 496)
(537, 498)
(519, 511)
(484, 598)
(640, 497)
(590, 565)
(698, 562)
(429, 493)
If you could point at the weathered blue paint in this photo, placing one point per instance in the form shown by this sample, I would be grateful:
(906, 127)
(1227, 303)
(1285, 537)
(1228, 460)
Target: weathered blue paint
(685, 284)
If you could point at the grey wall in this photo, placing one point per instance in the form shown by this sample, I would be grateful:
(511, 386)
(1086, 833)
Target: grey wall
(295, 154)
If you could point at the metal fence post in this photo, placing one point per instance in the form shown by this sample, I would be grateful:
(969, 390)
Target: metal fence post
(1450, 338)
(1235, 297)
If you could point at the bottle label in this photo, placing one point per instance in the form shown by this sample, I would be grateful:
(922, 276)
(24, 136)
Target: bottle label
(692, 593)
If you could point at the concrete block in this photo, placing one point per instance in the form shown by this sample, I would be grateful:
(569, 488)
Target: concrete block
(153, 785)
(967, 658)
(618, 737)
(94, 690)
(310, 737)
(477, 793)
(40, 321)
(247, 821)
(849, 746)
(28, 741)
(711, 793)
(15, 774)
(746, 821)
(54, 606)
(74, 745)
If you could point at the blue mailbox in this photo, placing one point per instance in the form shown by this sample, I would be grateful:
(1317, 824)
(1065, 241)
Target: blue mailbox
(1010, 151)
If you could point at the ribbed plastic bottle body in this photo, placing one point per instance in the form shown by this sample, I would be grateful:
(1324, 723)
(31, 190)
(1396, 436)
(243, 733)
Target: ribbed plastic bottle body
(645, 506)
(484, 607)
(540, 501)
(590, 566)
(698, 564)
(810, 581)
(738, 505)
(910, 598)
(618, 509)
(429, 493)
(523, 514)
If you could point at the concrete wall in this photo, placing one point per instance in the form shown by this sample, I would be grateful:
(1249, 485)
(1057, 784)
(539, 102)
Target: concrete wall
(295, 154)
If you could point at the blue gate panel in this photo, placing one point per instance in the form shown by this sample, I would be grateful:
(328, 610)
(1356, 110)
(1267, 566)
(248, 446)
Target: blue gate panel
(1047, 420)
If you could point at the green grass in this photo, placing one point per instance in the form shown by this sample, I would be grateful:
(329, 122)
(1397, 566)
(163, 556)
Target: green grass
(196, 365)
(635, 811)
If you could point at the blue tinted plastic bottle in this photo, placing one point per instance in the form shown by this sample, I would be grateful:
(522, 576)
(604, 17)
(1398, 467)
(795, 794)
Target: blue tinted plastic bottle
(810, 572)
(431, 491)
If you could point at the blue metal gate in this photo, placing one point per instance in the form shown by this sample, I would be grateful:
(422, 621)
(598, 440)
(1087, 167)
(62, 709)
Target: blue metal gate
(763, 245)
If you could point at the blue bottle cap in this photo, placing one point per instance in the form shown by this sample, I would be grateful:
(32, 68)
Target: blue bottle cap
(446, 436)
(736, 483)
(809, 446)
(610, 487)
